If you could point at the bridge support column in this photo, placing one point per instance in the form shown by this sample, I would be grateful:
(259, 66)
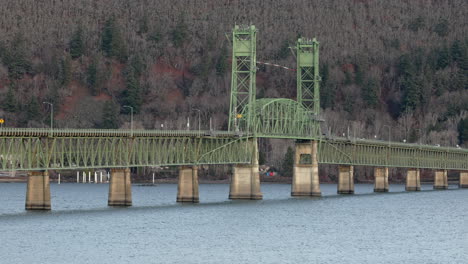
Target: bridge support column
(38, 191)
(381, 180)
(463, 179)
(346, 180)
(305, 180)
(440, 180)
(120, 188)
(187, 190)
(413, 180)
(245, 181)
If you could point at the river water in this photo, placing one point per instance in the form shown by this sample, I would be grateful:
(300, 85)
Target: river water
(396, 227)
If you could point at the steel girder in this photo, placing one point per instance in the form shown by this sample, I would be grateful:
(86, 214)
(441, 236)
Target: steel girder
(283, 118)
(46, 153)
(381, 153)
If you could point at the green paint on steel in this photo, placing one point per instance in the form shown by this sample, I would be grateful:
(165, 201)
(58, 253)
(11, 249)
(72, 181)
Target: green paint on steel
(283, 118)
(391, 154)
(81, 152)
(243, 77)
(280, 118)
(308, 78)
(76, 152)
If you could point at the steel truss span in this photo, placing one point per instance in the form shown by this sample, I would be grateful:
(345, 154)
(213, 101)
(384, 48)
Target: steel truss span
(385, 154)
(58, 153)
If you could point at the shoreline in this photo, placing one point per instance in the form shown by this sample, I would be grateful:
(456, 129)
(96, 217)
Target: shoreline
(276, 180)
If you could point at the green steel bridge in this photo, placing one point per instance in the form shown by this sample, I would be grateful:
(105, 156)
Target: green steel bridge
(38, 149)
(30, 149)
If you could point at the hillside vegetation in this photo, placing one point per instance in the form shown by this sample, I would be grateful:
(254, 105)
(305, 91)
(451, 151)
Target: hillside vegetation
(401, 63)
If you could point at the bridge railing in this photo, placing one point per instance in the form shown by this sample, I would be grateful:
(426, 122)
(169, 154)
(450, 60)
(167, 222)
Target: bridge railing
(64, 132)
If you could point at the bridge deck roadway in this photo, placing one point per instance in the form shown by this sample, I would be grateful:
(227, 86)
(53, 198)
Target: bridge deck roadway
(45, 132)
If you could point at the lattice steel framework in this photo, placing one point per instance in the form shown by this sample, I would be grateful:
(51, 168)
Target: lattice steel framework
(82, 152)
(380, 153)
(283, 118)
(308, 77)
(243, 77)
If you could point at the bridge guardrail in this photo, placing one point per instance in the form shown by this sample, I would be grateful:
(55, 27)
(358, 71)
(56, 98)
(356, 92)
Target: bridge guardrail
(47, 132)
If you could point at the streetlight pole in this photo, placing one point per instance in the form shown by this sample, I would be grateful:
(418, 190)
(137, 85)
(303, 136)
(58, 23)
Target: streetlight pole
(51, 116)
(389, 133)
(131, 119)
(198, 118)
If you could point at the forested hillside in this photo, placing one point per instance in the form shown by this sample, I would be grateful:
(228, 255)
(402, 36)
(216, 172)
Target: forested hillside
(401, 63)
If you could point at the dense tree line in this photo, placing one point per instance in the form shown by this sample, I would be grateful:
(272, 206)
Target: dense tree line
(400, 63)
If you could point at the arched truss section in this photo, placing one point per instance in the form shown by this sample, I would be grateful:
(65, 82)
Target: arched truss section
(283, 118)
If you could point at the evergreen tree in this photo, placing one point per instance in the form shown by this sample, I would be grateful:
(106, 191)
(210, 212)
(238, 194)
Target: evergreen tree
(3, 50)
(91, 78)
(65, 71)
(15, 58)
(369, 93)
(416, 24)
(143, 26)
(442, 28)
(359, 75)
(33, 109)
(443, 59)
(410, 84)
(76, 44)
(54, 98)
(110, 116)
(456, 51)
(180, 33)
(132, 95)
(288, 163)
(463, 131)
(155, 36)
(222, 63)
(137, 65)
(107, 36)
(348, 78)
(112, 42)
(9, 103)
(327, 92)
(412, 92)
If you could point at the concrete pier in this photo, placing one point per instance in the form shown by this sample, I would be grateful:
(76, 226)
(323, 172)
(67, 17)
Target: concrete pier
(381, 180)
(38, 191)
(346, 179)
(413, 180)
(187, 190)
(440, 180)
(463, 179)
(245, 181)
(120, 188)
(305, 180)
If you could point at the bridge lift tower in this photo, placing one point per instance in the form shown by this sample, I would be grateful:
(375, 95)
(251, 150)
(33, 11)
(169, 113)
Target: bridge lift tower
(274, 117)
(308, 77)
(244, 70)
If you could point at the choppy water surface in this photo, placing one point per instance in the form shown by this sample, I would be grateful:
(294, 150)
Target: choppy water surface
(397, 227)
